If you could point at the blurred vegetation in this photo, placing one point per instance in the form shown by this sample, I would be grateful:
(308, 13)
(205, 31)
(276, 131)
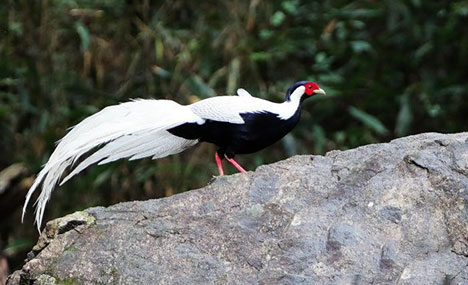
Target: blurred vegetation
(390, 69)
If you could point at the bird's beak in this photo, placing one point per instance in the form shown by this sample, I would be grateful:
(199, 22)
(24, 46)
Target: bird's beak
(319, 91)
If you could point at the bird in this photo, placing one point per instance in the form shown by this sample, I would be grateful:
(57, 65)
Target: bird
(158, 128)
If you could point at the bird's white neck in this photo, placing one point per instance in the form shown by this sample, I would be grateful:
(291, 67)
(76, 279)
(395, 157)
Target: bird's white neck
(289, 107)
(296, 96)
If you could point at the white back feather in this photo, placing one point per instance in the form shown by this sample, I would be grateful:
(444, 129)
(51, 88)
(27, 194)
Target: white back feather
(229, 108)
(242, 92)
(135, 129)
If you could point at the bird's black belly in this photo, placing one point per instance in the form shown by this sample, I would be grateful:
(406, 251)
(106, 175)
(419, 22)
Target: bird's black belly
(259, 131)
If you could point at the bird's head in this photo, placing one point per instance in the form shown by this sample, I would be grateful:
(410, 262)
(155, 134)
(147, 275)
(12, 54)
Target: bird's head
(302, 90)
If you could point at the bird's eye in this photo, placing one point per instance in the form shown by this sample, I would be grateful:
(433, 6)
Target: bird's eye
(310, 86)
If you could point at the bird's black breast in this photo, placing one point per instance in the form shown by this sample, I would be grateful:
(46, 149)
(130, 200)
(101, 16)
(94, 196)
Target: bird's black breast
(259, 131)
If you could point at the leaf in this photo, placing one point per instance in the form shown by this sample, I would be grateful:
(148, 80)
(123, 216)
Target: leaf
(17, 245)
(358, 24)
(405, 116)
(260, 56)
(200, 88)
(266, 34)
(361, 46)
(320, 139)
(9, 81)
(277, 18)
(4, 111)
(333, 78)
(102, 177)
(16, 27)
(160, 71)
(290, 6)
(461, 8)
(416, 3)
(434, 110)
(289, 145)
(423, 50)
(84, 36)
(158, 49)
(368, 120)
(320, 57)
(233, 75)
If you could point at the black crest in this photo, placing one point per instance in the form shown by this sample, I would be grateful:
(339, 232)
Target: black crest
(292, 88)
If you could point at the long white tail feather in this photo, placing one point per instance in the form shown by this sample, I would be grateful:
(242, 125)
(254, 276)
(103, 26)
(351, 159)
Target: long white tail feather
(133, 130)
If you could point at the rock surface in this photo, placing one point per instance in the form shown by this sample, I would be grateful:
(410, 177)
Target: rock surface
(393, 213)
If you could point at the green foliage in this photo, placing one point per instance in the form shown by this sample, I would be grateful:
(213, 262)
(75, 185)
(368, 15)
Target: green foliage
(390, 68)
(370, 121)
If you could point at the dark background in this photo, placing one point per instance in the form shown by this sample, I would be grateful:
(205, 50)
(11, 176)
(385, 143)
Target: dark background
(390, 69)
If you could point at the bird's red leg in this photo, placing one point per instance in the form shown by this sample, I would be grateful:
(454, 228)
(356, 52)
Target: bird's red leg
(236, 165)
(219, 163)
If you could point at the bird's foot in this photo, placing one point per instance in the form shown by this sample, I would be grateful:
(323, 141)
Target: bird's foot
(219, 163)
(235, 164)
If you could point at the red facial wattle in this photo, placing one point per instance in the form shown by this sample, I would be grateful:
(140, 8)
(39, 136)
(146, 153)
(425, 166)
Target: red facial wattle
(310, 87)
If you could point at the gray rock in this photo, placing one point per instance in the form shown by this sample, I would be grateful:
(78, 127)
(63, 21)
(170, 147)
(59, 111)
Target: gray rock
(393, 213)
